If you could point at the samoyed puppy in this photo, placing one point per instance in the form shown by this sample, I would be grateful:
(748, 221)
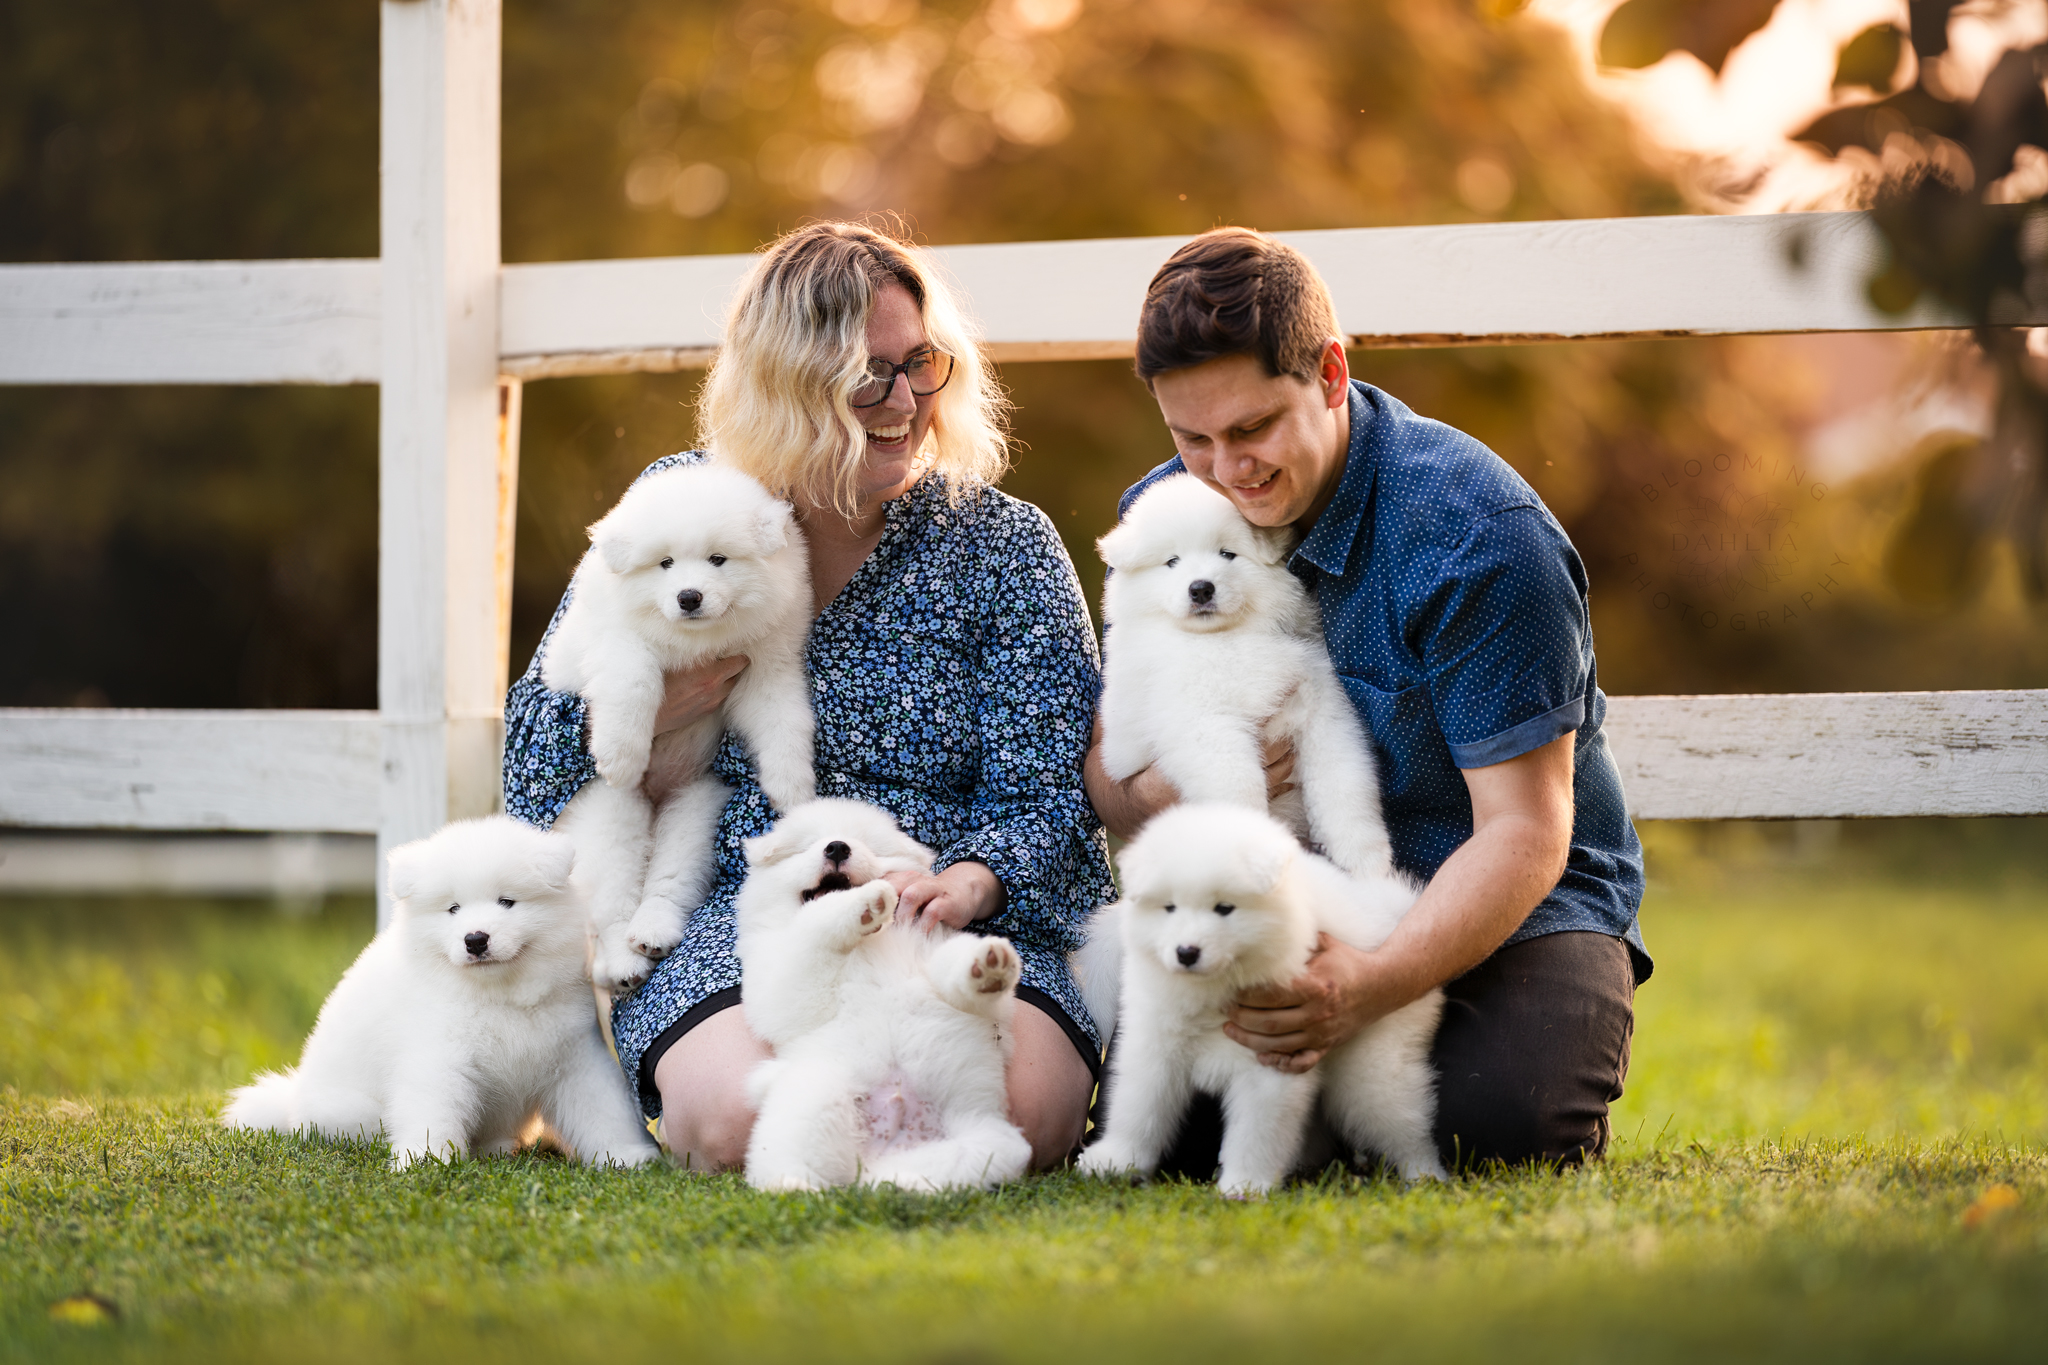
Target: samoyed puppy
(1217, 900)
(467, 1019)
(1214, 648)
(890, 1043)
(694, 563)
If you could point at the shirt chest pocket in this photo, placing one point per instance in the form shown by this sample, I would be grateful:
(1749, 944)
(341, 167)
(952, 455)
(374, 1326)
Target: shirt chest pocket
(1407, 742)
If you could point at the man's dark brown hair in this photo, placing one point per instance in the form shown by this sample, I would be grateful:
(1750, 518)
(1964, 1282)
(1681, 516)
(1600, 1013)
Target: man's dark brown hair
(1232, 291)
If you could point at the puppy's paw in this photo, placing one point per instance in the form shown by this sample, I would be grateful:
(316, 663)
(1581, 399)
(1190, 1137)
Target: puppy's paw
(995, 968)
(1108, 1160)
(656, 928)
(621, 763)
(615, 968)
(975, 974)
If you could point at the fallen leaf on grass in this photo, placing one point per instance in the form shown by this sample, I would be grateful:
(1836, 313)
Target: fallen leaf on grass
(84, 1310)
(1990, 1204)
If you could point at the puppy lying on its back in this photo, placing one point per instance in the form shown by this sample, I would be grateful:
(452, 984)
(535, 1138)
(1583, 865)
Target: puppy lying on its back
(1213, 647)
(465, 1019)
(1217, 900)
(890, 1043)
(695, 563)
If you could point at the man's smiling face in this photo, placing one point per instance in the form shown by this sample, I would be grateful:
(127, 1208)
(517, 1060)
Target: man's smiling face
(1273, 444)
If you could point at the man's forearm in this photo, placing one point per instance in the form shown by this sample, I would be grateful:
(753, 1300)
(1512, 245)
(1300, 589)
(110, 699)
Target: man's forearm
(1480, 895)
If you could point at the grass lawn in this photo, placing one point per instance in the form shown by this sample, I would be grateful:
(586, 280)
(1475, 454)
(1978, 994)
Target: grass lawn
(1835, 1146)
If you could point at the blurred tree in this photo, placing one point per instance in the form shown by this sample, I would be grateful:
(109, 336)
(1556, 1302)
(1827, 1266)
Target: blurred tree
(184, 548)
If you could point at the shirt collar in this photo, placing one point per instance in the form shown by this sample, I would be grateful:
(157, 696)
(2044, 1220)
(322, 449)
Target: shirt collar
(1329, 546)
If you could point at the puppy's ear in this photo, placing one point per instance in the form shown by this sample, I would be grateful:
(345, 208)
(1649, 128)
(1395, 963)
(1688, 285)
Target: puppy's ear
(771, 528)
(617, 544)
(1266, 861)
(1119, 549)
(554, 858)
(783, 841)
(1275, 543)
(404, 869)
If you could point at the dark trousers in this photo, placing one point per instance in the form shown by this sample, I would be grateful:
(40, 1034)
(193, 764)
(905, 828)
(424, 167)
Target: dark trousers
(1532, 1050)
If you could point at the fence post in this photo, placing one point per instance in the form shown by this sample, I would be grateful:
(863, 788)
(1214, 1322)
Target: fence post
(448, 479)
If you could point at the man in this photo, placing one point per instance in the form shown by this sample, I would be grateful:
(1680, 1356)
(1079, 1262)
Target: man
(1454, 608)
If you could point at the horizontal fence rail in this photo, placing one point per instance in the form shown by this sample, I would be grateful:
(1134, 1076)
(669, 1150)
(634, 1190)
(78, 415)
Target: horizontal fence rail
(309, 771)
(1764, 757)
(318, 321)
(1827, 754)
(191, 322)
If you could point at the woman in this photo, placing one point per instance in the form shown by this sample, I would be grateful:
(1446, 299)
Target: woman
(953, 674)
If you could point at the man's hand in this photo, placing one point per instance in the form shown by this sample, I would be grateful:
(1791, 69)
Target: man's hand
(957, 897)
(694, 693)
(1292, 1026)
(1521, 836)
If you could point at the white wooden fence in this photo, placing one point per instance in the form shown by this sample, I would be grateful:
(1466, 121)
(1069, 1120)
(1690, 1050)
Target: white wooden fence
(451, 334)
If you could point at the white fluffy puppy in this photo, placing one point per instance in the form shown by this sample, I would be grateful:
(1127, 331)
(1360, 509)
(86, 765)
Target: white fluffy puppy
(1211, 639)
(694, 563)
(466, 1019)
(890, 1043)
(1217, 900)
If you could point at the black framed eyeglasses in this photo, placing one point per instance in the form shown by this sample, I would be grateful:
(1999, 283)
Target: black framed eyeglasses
(927, 372)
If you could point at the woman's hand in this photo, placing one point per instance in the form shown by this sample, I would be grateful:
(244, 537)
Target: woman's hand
(694, 693)
(957, 897)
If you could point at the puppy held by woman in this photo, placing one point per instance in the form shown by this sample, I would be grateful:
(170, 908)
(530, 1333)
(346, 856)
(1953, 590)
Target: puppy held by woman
(952, 675)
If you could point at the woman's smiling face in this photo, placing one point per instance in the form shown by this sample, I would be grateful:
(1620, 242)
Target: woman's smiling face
(897, 426)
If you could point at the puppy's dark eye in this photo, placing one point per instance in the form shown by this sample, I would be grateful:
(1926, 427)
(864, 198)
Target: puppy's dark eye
(453, 908)
(1228, 554)
(506, 901)
(668, 563)
(717, 560)
(1171, 562)
(1225, 909)
(1169, 909)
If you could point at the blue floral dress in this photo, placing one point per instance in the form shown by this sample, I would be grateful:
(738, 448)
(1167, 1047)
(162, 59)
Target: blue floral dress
(954, 681)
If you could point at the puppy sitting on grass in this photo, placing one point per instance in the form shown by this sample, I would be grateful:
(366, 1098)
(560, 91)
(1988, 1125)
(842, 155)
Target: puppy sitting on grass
(1217, 900)
(890, 1043)
(695, 563)
(468, 1018)
(1215, 648)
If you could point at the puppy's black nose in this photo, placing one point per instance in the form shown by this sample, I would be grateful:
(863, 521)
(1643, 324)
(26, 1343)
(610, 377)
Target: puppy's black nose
(1202, 592)
(837, 852)
(689, 599)
(479, 943)
(1188, 954)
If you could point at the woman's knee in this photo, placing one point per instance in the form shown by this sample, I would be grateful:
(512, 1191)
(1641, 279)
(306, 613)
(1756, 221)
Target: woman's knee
(706, 1118)
(1049, 1087)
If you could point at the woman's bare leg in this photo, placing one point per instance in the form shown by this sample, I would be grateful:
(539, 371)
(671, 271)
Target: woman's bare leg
(706, 1118)
(1049, 1087)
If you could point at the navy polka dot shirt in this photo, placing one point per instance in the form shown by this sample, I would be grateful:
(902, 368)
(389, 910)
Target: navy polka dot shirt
(1454, 609)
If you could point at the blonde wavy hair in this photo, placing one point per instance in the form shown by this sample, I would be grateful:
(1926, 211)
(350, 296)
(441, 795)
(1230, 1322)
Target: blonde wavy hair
(775, 402)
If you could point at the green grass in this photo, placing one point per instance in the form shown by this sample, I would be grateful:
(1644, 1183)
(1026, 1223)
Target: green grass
(1830, 1074)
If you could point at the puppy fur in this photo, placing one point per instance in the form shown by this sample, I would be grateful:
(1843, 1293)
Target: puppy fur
(867, 1015)
(1214, 648)
(466, 1019)
(694, 563)
(1217, 900)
